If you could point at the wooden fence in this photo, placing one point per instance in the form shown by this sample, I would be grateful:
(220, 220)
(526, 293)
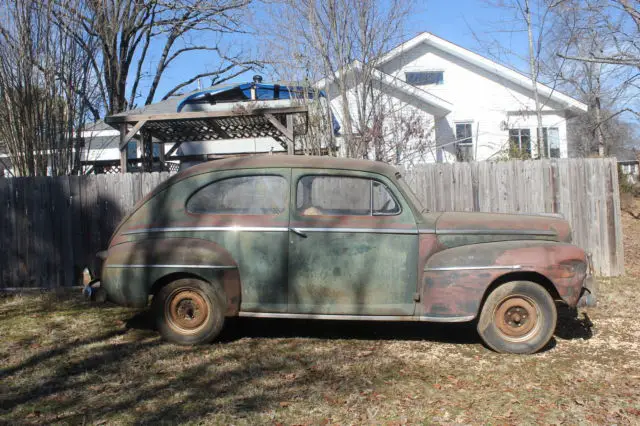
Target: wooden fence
(583, 191)
(50, 228)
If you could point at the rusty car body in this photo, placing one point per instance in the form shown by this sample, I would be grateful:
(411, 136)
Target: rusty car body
(329, 238)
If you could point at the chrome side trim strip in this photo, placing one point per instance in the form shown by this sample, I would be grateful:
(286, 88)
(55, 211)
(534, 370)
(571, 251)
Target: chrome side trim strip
(465, 318)
(354, 317)
(273, 229)
(362, 230)
(209, 228)
(474, 268)
(495, 232)
(170, 266)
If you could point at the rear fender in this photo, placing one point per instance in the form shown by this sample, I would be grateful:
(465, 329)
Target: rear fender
(133, 270)
(455, 280)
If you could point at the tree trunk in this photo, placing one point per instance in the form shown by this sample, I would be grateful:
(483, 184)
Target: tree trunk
(534, 80)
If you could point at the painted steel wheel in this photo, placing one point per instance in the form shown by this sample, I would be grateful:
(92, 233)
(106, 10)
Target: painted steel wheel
(518, 317)
(189, 311)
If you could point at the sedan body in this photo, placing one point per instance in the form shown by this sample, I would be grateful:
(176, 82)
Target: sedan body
(327, 238)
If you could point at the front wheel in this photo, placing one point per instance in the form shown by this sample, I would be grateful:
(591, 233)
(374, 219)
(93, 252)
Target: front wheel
(189, 311)
(518, 317)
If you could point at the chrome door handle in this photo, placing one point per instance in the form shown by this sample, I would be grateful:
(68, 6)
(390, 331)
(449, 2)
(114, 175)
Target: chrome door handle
(298, 232)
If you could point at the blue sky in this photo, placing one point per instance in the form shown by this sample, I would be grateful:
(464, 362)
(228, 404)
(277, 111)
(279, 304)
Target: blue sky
(453, 20)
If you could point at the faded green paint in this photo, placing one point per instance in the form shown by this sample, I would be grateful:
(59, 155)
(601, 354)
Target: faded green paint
(261, 256)
(353, 273)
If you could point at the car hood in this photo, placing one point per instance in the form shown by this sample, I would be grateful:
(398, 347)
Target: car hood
(503, 227)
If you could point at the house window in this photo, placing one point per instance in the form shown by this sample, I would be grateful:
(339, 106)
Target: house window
(132, 149)
(464, 142)
(551, 142)
(520, 143)
(422, 78)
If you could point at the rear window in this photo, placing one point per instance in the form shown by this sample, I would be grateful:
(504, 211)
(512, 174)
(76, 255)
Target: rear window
(241, 195)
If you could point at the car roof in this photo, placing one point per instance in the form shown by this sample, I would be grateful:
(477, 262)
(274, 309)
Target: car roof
(290, 161)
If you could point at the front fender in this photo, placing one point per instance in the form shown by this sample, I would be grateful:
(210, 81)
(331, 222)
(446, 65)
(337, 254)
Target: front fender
(455, 280)
(132, 268)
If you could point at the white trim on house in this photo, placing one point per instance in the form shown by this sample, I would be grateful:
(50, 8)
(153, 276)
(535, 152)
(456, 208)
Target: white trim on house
(486, 64)
(441, 106)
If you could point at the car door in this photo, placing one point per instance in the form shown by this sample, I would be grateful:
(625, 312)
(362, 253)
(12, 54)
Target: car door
(246, 212)
(353, 245)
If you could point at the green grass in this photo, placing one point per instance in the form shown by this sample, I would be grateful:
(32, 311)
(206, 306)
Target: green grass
(66, 362)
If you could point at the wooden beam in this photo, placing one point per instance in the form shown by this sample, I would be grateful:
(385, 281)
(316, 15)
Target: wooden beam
(172, 149)
(147, 152)
(161, 156)
(220, 130)
(135, 118)
(291, 143)
(278, 125)
(123, 152)
(131, 133)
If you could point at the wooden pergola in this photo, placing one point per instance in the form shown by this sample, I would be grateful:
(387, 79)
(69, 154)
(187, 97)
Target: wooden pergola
(177, 128)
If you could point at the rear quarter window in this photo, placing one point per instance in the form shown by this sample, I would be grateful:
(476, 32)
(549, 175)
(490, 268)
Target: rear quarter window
(258, 195)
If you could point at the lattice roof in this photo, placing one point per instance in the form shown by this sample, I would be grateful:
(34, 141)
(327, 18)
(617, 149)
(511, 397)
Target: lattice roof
(210, 125)
(206, 129)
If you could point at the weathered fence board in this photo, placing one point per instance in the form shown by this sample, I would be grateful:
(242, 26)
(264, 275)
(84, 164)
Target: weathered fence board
(50, 228)
(583, 191)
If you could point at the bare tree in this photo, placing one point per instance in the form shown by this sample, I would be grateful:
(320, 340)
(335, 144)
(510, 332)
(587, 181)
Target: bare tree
(125, 30)
(339, 43)
(608, 89)
(608, 40)
(41, 71)
(595, 29)
(535, 18)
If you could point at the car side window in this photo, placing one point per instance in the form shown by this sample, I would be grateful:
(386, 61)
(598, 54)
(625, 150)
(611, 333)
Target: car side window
(383, 201)
(241, 195)
(343, 195)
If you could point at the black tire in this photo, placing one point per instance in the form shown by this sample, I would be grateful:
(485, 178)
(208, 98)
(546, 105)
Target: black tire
(518, 317)
(189, 311)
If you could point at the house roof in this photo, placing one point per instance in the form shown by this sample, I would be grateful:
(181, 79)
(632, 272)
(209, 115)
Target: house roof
(441, 106)
(485, 64)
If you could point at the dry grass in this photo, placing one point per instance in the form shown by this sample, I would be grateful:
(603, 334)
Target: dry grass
(631, 226)
(65, 362)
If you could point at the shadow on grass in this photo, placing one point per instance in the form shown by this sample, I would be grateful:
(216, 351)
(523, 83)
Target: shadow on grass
(126, 375)
(238, 328)
(573, 325)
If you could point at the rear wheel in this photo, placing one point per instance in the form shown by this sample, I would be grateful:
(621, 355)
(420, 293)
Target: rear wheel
(518, 317)
(189, 311)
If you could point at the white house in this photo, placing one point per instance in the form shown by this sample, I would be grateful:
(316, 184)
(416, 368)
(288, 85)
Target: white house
(477, 108)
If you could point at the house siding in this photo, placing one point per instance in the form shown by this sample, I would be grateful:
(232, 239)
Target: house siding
(482, 98)
(398, 106)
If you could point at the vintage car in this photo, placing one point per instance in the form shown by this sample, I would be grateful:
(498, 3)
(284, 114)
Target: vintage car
(327, 238)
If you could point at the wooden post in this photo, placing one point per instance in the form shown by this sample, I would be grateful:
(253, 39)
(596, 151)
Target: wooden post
(123, 148)
(147, 151)
(291, 141)
(161, 154)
